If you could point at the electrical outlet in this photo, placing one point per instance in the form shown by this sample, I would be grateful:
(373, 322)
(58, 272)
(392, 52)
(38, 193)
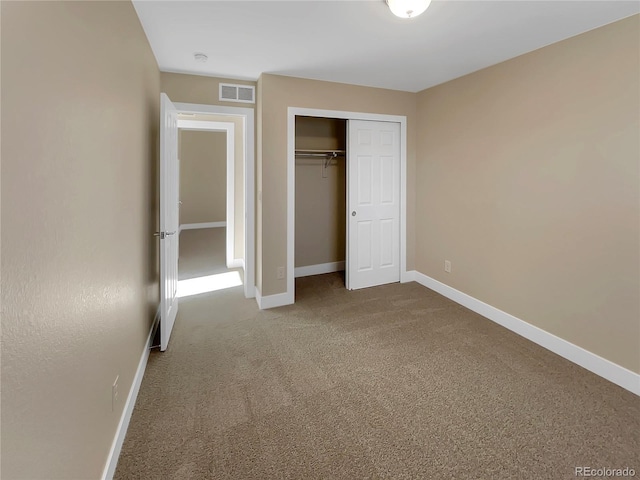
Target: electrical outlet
(280, 273)
(114, 393)
(447, 266)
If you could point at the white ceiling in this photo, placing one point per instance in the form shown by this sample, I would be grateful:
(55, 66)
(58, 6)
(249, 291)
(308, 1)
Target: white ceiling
(361, 42)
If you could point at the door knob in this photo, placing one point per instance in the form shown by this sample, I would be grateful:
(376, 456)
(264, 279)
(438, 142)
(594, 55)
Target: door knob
(353, 214)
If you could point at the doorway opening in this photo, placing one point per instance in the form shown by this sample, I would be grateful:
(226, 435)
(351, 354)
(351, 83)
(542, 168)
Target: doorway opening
(169, 201)
(240, 213)
(208, 257)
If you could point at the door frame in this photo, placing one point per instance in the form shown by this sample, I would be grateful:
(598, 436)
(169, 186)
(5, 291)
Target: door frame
(229, 129)
(292, 112)
(248, 121)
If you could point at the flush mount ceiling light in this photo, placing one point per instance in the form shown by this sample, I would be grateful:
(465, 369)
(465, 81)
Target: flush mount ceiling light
(200, 57)
(407, 8)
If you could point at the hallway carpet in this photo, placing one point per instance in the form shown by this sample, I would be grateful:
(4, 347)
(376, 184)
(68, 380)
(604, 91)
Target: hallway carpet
(393, 382)
(203, 252)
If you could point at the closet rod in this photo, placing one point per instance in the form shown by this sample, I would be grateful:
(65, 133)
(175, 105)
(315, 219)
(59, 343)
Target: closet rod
(328, 155)
(309, 150)
(320, 155)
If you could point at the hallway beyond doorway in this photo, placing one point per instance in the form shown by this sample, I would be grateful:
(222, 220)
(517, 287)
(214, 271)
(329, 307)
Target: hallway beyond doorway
(202, 252)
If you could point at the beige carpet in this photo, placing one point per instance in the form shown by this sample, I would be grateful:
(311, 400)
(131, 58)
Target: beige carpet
(388, 382)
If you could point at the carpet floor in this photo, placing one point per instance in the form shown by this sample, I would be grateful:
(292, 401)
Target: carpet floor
(393, 382)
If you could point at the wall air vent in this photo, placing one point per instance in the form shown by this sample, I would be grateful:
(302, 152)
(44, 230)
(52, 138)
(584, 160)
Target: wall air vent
(237, 93)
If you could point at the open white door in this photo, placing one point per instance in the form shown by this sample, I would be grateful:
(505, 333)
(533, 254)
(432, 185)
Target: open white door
(373, 203)
(169, 184)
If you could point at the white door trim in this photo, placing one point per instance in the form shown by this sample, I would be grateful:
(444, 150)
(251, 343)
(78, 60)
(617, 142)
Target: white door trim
(248, 118)
(292, 112)
(229, 129)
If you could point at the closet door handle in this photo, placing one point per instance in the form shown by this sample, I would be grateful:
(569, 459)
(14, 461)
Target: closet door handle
(353, 214)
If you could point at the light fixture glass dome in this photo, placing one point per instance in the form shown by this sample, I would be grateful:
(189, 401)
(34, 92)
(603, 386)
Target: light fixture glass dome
(408, 8)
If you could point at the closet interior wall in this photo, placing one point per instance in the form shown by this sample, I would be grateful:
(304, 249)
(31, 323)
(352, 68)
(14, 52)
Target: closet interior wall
(320, 209)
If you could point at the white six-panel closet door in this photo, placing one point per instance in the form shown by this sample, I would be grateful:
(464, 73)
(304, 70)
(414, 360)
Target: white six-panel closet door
(373, 211)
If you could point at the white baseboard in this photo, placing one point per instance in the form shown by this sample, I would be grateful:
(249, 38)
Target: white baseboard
(409, 276)
(236, 263)
(594, 363)
(273, 301)
(121, 432)
(318, 269)
(195, 226)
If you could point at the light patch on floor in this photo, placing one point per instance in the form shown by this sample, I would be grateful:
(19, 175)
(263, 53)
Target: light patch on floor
(210, 283)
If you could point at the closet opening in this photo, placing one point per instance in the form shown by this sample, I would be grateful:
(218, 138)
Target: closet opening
(320, 196)
(346, 201)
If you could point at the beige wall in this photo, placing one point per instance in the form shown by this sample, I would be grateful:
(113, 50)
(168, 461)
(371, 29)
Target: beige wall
(315, 133)
(203, 176)
(204, 90)
(198, 89)
(276, 94)
(80, 114)
(527, 179)
(320, 216)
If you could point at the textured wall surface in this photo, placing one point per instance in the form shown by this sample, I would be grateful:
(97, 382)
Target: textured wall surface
(80, 118)
(203, 176)
(527, 179)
